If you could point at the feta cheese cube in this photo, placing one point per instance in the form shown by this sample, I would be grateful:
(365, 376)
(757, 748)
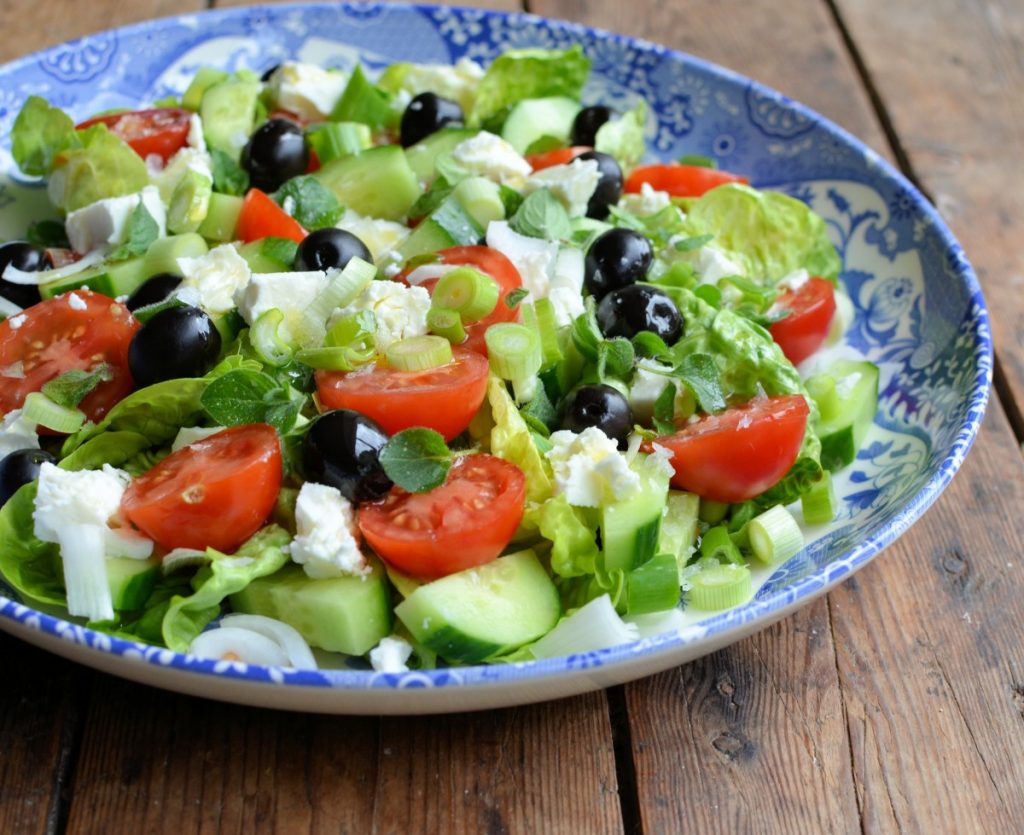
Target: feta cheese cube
(458, 82)
(291, 293)
(307, 90)
(17, 432)
(647, 202)
(491, 156)
(104, 223)
(709, 262)
(380, 236)
(214, 278)
(391, 655)
(649, 381)
(573, 184)
(400, 311)
(534, 258)
(588, 468)
(325, 544)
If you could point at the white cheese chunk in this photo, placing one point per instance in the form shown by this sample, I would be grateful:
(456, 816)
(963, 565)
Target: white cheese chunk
(325, 545)
(458, 82)
(104, 223)
(400, 311)
(17, 432)
(647, 202)
(391, 655)
(187, 159)
(588, 468)
(488, 155)
(710, 263)
(215, 277)
(291, 293)
(196, 138)
(649, 381)
(380, 236)
(573, 184)
(795, 280)
(307, 90)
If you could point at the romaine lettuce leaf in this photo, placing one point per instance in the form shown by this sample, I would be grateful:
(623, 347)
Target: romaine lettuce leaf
(101, 165)
(623, 138)
(39, 134)
(511, 439)
(574, 548)
(29, 565)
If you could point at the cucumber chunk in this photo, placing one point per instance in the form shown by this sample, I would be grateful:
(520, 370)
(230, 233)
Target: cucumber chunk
(228, 111)
(377, 182)
(423, 154)
(847, 397)
(131, 581)
(531, 119)
(448, 225)
(485, 611)
(630, 527)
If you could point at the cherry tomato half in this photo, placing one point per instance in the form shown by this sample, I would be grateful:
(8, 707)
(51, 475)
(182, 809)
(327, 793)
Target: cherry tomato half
(741, 452)
(679, 180)
(216, 492)
(162, 131)
(443, 398)
(77, 331)
(261, 217)
(465, 522)
(803, 331)
(559, 156)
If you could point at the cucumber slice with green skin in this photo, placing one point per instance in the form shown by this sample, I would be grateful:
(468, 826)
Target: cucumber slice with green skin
(204, 78)
(377, 182)
(631, 527)
(338, 614)
(228, 111)
(163, 253)
(481, 199)
(847, 396)
(482, 612)
(679, 526)
(131, 581)
(448, 225)
(262, 257)
(424, 153)
(221, 218)
(531, 119)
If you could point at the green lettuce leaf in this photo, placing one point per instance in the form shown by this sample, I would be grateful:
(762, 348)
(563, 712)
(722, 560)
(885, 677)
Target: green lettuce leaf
(769, 233)
(39, 134)
(102, 166)
(226, 574)
(29, 565)
(574, 550)
(512, 440)
(623, 138)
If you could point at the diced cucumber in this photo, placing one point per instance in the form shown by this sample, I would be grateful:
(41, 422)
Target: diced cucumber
(120, 279)
(334, 140)
(264, 256)
(630, 527)
(131, 581)
(847, 397)
(448, 225)
(228, 111)
(163, 253)
(377, 183)
(424, 153)
(221, 217)
(204, 78)
(531, 119)
(485, 611)
(679, 526)
(364, 102)
(339, 614)
(481, 198)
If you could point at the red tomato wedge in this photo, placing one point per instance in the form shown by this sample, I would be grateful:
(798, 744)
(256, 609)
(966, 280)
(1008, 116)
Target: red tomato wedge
(261, 217)
(559, 156)
(803, 331)
(741, 452)
(162, 131)
(465, 522)
(498, 267)
(443, 399)
(77, 331)
(679, 180)
(216, 492)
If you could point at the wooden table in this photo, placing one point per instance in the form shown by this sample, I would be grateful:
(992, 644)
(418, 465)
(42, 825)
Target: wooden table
(896, 703)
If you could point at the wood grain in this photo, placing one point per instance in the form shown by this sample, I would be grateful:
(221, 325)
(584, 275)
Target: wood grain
(950, 74)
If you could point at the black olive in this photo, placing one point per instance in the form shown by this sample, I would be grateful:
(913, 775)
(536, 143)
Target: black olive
(268, 72)
(587, 121)
(637, 307)
(341, 449)
(609, 187)
(329, 248)
(601, 406)
(177, 342)
(19, 468)
(153, 290)
(275, 152)
(28, 258)
(617, 258)
(426, 114)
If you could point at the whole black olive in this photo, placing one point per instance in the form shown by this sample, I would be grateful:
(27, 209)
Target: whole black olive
(609, 187)
(341, 449)
(28, 258)
(329, 248)
(618, 257)
(587, 122)
(19, 468)
(637, 307)
(177, 342)
(426, 114)
(601, 406)
(153, 290)
(275, 152)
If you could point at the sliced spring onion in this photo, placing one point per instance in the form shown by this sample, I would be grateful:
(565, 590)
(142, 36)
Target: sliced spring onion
(713, 512)
(8, 308)
(717, 587)
(419, 353)
(183, 558)
(343, 289)
(328, 359)
(775, 535)
(469, 291)
(231, 643)
(654, 586)
(819, 503)
(42, 410)
(717, 543)
(541, 317)
(265, 336)
(447, 323)
(593, 626)
(515, 355)
(334, 140)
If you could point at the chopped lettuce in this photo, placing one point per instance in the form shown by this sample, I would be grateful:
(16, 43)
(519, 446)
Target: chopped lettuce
(101, 166)
(512, 440)
(30, 566)
(574, 551)
(623, 138)
(40, 133)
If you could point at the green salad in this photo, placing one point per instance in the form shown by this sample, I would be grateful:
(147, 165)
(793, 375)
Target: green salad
(422, 368)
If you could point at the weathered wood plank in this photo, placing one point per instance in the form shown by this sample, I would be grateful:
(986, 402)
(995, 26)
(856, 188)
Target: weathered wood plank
(950, 75)
(148, 757)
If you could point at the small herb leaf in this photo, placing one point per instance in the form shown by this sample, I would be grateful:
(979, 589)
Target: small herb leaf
(141, 232)
(514, 297)
(246, 396)
(68, 389)
(542, 216)
(310, 202)
(690, 244)
(417, 460)
(228, 176)
(700, 373)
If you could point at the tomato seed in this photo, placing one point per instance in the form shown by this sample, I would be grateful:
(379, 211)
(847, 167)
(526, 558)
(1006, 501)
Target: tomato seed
(194, 494)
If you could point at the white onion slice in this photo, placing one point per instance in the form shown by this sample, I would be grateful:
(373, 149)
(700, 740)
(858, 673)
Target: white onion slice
(16, 276)
(593, 626)
(425, 272)
(229, 644)
(300, 656)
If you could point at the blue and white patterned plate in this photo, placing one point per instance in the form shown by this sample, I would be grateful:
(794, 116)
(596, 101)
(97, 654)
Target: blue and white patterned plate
(919, 311)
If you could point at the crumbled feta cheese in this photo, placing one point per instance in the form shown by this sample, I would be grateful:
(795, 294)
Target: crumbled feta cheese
(647, 202)
(307, 90)
(457, 83)
(711, 263)
(588, 468)
(17, 432)
(88, 497)
(291, 293)
(662, 460)
(75, 302)
(400, 311)
(572, 184)
(649, 381)
(391, 655)
(380, 236)
(16, 321)
(325, 545)
(104, 223)
(491, 156)
(534, 258)
(188, 435)
(567, 305)
(187, 159)
(216, 276)
(795, 280)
